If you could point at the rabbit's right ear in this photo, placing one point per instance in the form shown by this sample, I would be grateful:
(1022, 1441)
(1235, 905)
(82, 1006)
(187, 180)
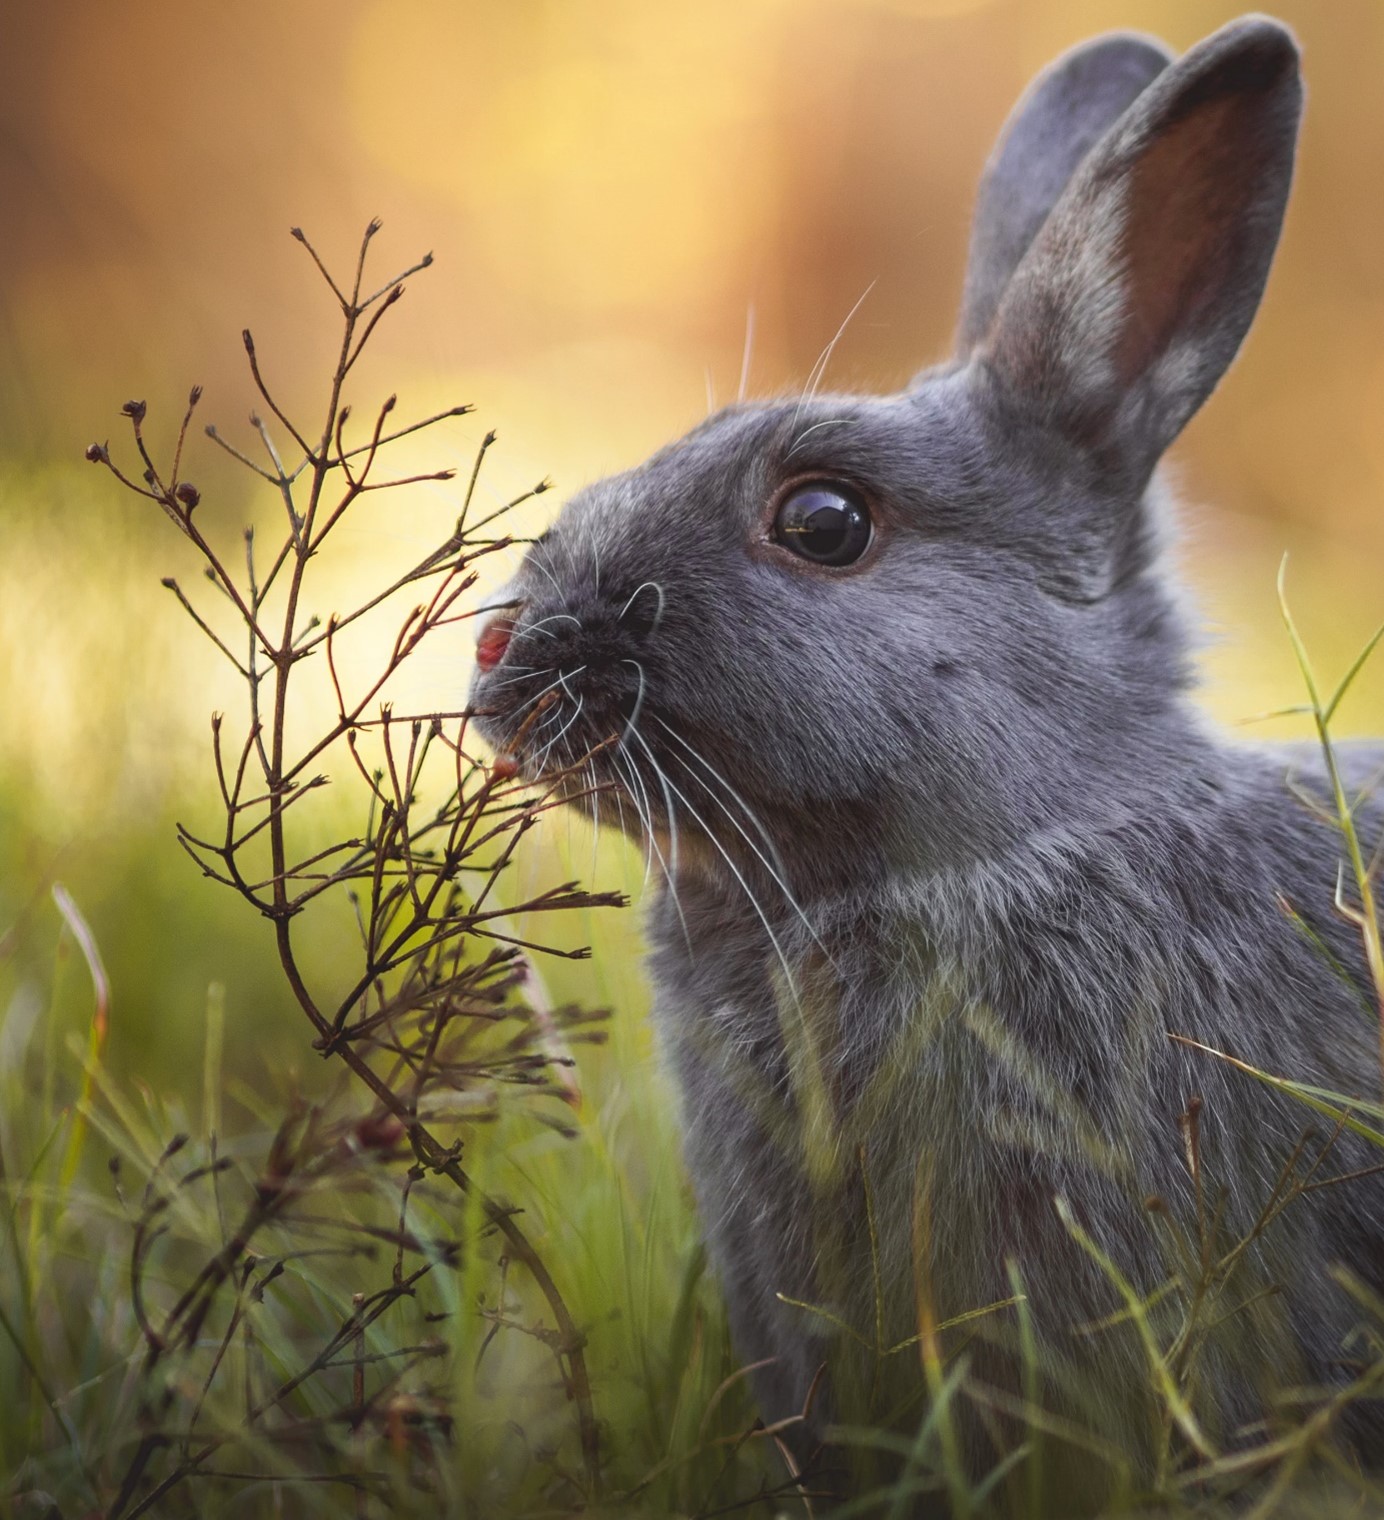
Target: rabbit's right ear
(1140, 286)
(1063, 114)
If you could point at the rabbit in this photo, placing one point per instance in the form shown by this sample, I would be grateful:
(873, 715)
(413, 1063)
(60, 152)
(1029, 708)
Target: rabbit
(895, 694)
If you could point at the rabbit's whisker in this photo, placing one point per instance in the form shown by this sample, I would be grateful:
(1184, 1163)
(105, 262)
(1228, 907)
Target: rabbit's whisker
(596, 563)
(537, 563)
(657, 589)
(645, 825)
(745, 355)
(521, 673)
(615, 798)
(667, 788)
(553, 617)
(667, 866)
(649, 809)
(775, 867)
(545, 690)
(831, 422)
(731, 865)
(765, 837)
(819, 369)
(616, 794)
(548, 748)
(526, 713)
(589, 775)
(638, 700)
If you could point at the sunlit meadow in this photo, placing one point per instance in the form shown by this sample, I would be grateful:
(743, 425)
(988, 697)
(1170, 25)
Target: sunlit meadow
(631, 207)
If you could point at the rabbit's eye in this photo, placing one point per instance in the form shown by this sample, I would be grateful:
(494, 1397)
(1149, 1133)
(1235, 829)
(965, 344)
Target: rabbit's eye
(825, 523)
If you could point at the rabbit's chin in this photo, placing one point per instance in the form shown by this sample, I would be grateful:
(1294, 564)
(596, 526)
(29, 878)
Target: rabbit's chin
(581, 785)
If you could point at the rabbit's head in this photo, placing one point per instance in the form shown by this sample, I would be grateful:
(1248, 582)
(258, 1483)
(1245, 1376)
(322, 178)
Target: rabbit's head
(858, 632)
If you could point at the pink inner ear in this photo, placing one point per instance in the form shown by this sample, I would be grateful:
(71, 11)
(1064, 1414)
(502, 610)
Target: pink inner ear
(1188, 198)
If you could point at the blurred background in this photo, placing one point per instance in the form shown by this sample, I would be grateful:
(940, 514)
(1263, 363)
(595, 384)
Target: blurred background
(615, 192)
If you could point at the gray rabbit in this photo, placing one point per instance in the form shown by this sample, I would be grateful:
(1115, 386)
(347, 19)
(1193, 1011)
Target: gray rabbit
(895, 693)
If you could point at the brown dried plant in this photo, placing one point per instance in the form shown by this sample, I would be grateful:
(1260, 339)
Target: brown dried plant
(431, 1006)
(275, 1218)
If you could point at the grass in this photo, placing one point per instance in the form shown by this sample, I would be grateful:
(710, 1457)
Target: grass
(607, 1205)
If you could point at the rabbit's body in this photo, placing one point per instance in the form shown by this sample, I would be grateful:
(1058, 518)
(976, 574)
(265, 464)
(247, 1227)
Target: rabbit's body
(984, 1040)
(896, 693)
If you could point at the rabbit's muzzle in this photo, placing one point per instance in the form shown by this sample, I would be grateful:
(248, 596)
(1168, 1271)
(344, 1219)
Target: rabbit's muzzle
(557, 691)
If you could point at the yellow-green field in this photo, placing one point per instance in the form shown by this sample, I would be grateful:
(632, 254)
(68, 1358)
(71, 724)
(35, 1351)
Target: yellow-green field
(560, 160)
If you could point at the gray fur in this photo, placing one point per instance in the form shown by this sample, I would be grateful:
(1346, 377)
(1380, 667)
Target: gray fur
(945, 853)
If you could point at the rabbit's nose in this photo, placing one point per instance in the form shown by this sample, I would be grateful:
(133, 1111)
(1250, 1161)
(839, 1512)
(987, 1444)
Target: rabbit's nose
(492, 642)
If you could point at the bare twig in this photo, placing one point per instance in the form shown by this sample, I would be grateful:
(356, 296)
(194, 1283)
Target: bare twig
(412, 1021)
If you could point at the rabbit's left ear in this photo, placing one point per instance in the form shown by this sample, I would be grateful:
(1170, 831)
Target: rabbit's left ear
(1139, 288)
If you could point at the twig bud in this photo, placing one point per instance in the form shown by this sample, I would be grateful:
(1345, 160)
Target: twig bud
(135, 411)
(194, 396)
(188, 495)
(97, 453)
(379, 1132)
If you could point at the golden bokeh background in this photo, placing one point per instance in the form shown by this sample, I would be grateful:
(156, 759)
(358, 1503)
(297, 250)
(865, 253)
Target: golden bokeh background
(610, 187)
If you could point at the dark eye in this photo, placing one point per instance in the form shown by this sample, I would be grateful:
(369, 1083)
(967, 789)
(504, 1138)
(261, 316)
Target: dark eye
(823, 522)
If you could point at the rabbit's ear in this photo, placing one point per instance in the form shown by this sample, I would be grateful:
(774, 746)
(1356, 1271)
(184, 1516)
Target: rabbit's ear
(1063, 114)
(1139, 288)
